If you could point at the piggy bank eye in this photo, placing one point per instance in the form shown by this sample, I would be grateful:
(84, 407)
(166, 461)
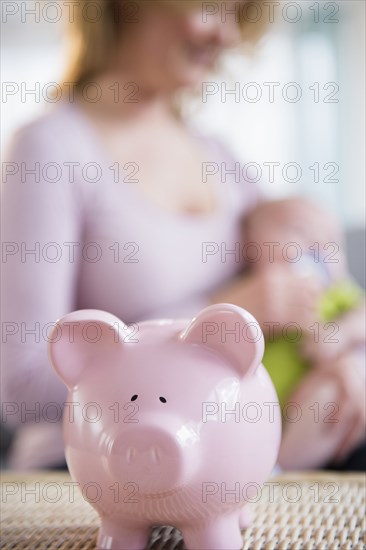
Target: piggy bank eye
(162, 399)
(134, 397)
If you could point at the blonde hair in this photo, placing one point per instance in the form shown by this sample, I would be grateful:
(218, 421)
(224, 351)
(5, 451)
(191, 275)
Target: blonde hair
(96, 26)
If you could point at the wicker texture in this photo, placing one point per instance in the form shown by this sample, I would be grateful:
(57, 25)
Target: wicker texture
(307, 511)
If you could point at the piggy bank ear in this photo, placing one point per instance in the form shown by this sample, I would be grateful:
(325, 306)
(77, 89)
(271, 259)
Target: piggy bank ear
(83, 339)
(232, 332)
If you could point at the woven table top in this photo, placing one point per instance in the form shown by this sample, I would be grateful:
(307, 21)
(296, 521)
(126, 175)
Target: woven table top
(315, 510)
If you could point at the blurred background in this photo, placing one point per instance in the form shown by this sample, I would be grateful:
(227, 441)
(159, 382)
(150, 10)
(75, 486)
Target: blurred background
(299, 98)
(296, 114)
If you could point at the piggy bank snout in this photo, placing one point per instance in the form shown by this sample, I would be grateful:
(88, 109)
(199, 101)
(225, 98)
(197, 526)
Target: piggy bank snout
(149, 456)
(146, 444)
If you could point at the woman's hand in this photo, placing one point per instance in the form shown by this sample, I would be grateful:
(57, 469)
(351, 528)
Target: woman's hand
(349, 373)
(331, 340)
(275, 296)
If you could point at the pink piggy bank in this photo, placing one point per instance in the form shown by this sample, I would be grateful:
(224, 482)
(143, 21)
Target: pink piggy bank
(167, 422)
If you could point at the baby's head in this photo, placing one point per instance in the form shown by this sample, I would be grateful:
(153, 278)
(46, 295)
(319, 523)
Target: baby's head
(296, 232)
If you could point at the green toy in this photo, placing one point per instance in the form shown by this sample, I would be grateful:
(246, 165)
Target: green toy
(282, 357)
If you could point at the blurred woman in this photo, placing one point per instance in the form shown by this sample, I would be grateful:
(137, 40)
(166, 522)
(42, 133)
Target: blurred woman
(106, 207)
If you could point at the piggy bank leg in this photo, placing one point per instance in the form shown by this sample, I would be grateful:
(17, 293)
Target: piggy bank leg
(245, 518)
(114, 535)
(223, 533)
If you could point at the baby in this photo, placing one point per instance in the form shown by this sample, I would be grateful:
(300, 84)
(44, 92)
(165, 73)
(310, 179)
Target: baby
(318, 366)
